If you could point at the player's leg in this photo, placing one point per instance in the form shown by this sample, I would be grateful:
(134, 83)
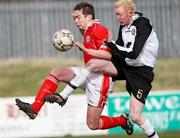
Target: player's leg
(97, 121)
(97, 96)
(136, 108)
(48, 87)
(101, 66)
(139, 85)
(94, 65)
(78, 80)
(61, 98)
(93, 117)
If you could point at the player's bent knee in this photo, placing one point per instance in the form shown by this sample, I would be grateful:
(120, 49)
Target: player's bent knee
(92, 125)
(53, 74)
(63, 74)
(56, 71)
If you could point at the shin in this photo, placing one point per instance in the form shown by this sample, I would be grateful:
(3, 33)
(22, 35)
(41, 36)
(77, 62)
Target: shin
(136, 108)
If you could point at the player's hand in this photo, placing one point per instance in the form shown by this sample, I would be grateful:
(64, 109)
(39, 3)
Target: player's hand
(109, 39)
(80, 46)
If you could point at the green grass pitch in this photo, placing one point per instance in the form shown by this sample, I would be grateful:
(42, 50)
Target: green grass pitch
(173, 134)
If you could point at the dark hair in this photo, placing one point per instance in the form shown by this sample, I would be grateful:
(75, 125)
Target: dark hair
(87, 9)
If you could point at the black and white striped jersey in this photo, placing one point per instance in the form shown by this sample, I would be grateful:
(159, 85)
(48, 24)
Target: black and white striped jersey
(137, 43)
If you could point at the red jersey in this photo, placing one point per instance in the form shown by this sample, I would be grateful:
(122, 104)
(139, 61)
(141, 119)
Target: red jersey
(93, 38)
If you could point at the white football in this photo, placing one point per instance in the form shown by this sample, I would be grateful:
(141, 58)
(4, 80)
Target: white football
(63, 40)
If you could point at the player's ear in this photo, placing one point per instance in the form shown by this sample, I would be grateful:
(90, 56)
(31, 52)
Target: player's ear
(130, 13)
(89, 17)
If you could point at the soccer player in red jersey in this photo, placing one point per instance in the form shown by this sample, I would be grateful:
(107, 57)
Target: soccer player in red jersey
(94, 35)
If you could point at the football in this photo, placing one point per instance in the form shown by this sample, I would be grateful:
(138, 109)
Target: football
(63, 40)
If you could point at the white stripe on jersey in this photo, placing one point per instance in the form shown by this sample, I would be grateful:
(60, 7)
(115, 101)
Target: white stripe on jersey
(123, 48)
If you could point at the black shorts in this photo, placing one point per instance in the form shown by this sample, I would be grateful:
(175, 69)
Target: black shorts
(138, 79)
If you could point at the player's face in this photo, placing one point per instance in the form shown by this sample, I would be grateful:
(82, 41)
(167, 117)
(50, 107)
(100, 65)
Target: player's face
(123, 16)
(80, 20)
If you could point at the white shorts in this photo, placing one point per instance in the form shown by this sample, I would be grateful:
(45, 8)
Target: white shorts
(97, 87)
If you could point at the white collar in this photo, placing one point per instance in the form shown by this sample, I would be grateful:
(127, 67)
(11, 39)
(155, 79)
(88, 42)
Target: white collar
(91, 23)
(134, 17)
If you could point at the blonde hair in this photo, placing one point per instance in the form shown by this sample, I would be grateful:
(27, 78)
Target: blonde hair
(127, 4)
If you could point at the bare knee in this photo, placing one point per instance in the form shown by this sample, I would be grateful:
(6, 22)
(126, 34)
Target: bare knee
(58, 72)
(93, 125)
(63, 74)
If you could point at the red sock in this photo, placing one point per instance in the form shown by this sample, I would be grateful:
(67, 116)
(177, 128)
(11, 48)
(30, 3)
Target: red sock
(48, 87)
(110, 122)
